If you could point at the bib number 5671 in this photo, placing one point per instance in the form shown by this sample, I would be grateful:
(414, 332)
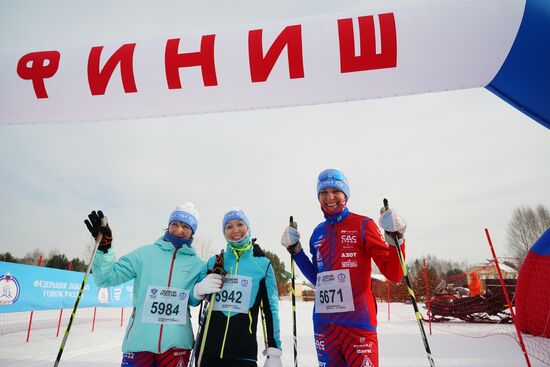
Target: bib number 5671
(327, 296)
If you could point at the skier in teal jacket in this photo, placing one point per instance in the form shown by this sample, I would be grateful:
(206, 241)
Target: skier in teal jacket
(159, 332)
(249, 282)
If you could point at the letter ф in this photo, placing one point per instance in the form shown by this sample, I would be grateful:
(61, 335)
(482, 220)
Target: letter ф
(37, 66)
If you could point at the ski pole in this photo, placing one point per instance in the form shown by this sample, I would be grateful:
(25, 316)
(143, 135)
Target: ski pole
(208, 316)
(82, 286)
(218, 269)
(264, 327)
(202, 313)
(294, 225)
(411, 293)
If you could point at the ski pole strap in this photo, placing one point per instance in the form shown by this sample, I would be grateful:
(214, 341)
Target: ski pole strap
(218, 265)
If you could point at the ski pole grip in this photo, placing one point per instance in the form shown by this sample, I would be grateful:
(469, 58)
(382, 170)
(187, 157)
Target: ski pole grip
(292, 223)
(100, 234)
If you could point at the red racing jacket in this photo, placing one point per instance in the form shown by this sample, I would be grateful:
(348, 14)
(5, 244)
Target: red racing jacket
(344, 243)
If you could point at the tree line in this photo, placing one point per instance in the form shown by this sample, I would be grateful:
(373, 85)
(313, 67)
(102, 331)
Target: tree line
(54, 259)
(525, 227)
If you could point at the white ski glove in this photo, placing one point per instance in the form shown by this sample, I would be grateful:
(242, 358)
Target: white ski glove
(291, 240)
(273, 357)
(211, 284)
(393, 226)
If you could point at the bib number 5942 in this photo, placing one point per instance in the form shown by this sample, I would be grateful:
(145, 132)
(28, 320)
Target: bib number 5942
(225, 296)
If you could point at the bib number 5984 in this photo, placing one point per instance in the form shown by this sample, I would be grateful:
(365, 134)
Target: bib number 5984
(161, 308)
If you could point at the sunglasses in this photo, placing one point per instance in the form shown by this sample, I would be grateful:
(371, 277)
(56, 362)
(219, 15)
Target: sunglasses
(332, 173)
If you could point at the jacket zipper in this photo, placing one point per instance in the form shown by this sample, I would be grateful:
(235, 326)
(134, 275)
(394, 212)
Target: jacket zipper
(169, 282)
(229, 313)
(132, 324)
(332, 243)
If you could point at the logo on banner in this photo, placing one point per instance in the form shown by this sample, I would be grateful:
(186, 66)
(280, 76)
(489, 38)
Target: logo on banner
(9, 289)
(117, 292)
(103, 295)
(130, 290)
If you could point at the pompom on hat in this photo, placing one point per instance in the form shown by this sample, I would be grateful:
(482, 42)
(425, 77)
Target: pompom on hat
(185, 213)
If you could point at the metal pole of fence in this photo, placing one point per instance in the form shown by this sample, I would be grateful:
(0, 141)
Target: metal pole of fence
(30, 326)
(59, 322)
(93, 320)
(388, 286)
(505, 290)
(427, 296)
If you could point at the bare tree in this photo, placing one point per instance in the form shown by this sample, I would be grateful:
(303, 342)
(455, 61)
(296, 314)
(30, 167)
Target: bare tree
(526, 226)
(204, 247)
(33, 258)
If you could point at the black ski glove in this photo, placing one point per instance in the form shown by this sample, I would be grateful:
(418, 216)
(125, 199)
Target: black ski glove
(256, 249)
(95, 228)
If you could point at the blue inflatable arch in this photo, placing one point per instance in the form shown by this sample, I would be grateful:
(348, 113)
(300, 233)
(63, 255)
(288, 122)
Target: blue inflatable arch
(524, 78)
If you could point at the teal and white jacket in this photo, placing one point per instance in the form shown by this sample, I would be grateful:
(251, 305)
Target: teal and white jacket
(232, 334)
(159, 265)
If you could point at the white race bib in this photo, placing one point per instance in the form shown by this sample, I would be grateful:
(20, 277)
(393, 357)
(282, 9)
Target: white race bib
(333, 292)
(165, 305)
(234, 295)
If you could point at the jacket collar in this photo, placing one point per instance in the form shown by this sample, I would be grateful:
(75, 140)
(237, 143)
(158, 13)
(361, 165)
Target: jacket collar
(337, 218)
(167, 246)
(243, 254)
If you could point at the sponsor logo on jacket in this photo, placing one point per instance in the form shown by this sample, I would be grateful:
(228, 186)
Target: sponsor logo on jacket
(348, 236)
(349, 264)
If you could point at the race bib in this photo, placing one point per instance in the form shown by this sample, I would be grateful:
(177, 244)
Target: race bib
(234, 295)
(333, 292)
(165, 305)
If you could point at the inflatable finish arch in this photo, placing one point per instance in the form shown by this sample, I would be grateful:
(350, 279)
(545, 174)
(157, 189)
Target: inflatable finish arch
(389, 48)
(533, 289)
(524, 78)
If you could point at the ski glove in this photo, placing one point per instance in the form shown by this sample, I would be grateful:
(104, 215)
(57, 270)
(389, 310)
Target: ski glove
(393, 225)
(256, 249)
(273, 357)
(211, 284)
(291, 240)
(96, 228)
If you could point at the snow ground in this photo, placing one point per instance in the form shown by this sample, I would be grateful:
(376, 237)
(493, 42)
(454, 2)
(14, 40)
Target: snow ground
(399, 339)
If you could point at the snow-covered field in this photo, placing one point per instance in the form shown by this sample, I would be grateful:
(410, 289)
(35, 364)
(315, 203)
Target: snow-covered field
(399, 338)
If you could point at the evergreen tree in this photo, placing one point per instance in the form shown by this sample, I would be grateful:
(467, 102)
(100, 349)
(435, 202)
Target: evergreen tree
(78, 265)
(58, 261)
(8, 257)
(280, 274)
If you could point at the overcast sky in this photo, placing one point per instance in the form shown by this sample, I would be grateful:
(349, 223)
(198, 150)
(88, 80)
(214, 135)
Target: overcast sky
(451, 163)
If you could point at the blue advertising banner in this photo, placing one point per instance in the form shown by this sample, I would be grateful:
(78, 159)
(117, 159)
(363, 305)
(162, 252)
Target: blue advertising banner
(28, 288)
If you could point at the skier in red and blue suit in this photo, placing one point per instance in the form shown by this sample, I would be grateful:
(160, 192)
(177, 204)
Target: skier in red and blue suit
(344, 316)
